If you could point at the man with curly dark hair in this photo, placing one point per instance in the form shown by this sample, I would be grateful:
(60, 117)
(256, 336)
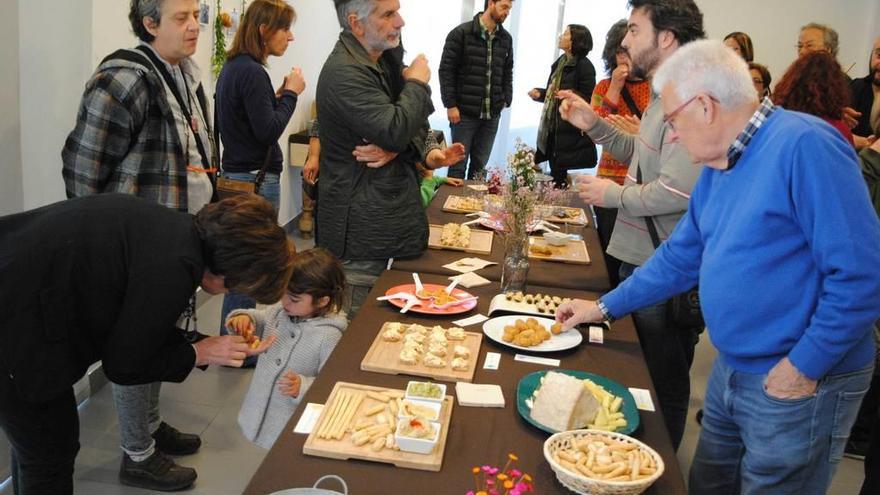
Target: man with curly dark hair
(654, 196)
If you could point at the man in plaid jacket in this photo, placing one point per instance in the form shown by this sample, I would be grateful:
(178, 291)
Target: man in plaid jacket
(143, 129)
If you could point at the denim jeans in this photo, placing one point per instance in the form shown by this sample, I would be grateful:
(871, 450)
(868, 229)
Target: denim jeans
(360, 276)
(669, 353)
(137, 407)
(753, 443)
(271, 190)
(477, 136)
(44, 438)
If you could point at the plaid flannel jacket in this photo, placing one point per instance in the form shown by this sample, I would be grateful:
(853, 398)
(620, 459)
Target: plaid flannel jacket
(125, 139)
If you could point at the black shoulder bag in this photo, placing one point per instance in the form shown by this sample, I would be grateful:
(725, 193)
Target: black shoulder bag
(683, 309)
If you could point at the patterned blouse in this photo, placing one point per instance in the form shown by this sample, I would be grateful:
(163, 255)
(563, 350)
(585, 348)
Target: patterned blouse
(609, 168)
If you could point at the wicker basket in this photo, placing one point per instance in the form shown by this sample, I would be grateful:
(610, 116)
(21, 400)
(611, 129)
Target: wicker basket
(578, 483)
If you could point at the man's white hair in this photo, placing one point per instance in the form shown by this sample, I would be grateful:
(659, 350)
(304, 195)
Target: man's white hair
(707, 66)
(360, 8)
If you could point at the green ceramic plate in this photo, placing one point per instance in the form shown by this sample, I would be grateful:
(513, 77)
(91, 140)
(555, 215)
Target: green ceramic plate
(532, 381)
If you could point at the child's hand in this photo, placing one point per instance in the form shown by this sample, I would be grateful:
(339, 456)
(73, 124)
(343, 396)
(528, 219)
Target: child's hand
(290, 384)
(454, 181)
(242, 325)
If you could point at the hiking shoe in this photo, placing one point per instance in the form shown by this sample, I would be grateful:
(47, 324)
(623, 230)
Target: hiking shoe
(172, 442)
(157, 472)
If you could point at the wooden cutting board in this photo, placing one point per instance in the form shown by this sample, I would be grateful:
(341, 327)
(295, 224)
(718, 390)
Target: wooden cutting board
(573, 215)
(480, 242)
(572, 252)
(343, 448)
(384, 357)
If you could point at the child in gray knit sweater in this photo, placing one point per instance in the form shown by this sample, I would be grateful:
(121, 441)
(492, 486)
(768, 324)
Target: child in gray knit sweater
(305, 326)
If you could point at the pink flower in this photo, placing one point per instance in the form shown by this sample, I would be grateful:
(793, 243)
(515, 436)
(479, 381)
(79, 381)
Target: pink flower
(514, 473)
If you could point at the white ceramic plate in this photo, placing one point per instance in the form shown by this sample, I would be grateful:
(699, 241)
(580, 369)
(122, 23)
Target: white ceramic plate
(494, 329)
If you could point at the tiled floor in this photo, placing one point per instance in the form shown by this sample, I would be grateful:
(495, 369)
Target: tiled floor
(207, 403)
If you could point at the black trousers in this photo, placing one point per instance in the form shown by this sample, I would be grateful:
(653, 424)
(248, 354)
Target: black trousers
(44, 438)
(871, 486)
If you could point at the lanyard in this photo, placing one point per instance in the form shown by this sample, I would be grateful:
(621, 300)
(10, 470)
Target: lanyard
(184, 107)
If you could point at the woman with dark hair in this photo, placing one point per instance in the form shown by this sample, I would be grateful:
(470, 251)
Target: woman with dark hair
(741, 43)
(251, 115)
(815, 84)
(558, 141)
(760, 78)
(620, 95)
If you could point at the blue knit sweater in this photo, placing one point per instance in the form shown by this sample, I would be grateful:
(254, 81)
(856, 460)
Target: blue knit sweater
(249, 116)
(786, 249)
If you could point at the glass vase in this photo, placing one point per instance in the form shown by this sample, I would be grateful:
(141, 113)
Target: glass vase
(515, 268)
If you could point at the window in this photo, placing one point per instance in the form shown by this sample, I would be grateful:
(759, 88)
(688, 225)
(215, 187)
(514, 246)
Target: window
(535, 26)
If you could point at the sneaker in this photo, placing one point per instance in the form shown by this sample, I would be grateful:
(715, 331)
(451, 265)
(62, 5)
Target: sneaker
(172, 442)
(856, 449)
(157, 472)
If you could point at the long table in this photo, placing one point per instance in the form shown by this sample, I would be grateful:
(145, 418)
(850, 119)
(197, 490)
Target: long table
(477, 436)
(593, 277)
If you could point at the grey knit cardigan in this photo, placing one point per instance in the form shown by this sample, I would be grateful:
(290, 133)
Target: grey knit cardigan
(302, 346)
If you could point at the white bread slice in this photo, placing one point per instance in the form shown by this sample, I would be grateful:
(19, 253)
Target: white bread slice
(563, 403)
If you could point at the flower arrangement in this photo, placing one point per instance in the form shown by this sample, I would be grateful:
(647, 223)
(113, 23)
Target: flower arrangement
(507, 481)
(222, 22)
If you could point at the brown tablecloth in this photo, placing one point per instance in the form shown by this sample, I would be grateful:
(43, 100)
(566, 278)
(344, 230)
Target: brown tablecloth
(477, 436)
(592, 277)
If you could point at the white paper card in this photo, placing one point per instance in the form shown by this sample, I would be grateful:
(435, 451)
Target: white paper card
(643, 399)
(308, 419)
(479, 395)
(466, 265)
(473, 320)
(479, 187)
(537, 360)
(470, 280)
(597, 335)
(493, 360)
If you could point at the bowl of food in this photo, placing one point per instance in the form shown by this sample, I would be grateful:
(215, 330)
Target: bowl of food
(417, 435)
(425, 391)
(415, 408)
(602, 462)
(556, 238)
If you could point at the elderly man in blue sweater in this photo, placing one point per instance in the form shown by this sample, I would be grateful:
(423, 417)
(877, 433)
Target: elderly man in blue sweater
(782, 238)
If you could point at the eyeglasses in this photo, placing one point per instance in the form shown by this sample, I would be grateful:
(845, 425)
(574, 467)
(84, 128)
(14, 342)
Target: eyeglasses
(667, 119)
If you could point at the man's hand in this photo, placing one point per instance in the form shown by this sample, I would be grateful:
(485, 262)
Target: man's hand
(310, 170)
(295, 81)
(227, 350)
(454, 181)
(575, 110)
(438, 158)
(453, 115)
(535, 94)
(851, 117)
(578, 311)
(290, 384)
(626, 123)
(592, 189)
(418, 70)
(784, 381)
(373, 156)
(875, 144)
(863, 142)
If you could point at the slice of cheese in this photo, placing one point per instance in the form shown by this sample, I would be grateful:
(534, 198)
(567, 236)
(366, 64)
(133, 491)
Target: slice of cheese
(563, 403)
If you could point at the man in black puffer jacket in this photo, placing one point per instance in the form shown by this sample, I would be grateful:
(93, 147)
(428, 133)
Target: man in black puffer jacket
(476, 83)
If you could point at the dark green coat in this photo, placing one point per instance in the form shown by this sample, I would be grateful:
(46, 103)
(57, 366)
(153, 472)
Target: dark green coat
(366, 213)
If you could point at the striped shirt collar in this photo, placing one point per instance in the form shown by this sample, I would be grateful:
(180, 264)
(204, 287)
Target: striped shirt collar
(765, 109)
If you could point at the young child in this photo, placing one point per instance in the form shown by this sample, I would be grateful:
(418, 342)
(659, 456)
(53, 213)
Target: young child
(306, 326)
(430, 183)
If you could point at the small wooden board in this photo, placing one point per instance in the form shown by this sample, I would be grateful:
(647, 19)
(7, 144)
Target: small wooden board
(384, 357)
(462, 204)
(480, 242)
(572, 252)
(575, 215)
(344, 449)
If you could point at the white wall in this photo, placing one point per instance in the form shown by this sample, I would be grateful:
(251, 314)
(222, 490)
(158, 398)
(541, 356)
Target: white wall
(10, 118)
(774, 26)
